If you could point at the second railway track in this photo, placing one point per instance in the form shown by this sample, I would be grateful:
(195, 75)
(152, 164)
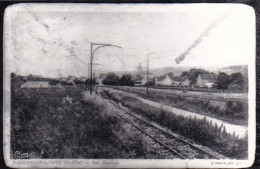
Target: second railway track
(172, 144)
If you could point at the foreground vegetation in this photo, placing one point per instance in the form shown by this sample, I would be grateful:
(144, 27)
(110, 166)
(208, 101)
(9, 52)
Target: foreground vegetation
(68, 123)
(234, 112)
(200, 131)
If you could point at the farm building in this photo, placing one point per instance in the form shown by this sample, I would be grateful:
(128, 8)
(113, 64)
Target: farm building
(176, 81)
(185, 83)
(99, 81)
(206, 80)
(141, 78)
(140, 81)
(35, 84)
(166, 81)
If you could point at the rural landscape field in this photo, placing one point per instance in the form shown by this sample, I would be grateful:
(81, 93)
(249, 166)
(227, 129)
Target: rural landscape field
(63, 120)
(115, 82)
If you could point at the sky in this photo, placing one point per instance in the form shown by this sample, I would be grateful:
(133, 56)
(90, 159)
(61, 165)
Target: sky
(54, 40)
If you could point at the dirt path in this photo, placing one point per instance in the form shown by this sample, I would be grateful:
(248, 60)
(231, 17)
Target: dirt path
(186, 151)
(239, 130)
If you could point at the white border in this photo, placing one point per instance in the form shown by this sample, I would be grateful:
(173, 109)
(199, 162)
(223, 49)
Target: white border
(118, 163)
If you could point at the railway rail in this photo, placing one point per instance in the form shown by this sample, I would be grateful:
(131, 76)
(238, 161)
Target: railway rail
(170, 142)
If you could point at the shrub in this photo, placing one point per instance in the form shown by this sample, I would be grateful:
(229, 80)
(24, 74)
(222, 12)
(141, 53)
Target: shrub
(199, 130)
(199, 105)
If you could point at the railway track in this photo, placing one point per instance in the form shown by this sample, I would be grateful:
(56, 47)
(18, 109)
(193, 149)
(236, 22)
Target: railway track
(172, 144)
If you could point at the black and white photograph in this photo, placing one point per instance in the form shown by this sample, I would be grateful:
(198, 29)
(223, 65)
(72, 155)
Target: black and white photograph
(129, 85)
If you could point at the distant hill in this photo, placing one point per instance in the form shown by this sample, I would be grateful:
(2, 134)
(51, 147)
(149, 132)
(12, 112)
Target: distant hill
(175, 70)
(233, 69)
(158, 71)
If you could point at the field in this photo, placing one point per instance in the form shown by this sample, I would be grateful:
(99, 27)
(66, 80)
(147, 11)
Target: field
(232, 108)
(69, 123)
(200, 131)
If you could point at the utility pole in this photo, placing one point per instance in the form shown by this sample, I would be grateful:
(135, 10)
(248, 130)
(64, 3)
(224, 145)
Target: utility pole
(91, 61)
(88, 75)
(147, 74)
(92, 52)
(94, 81)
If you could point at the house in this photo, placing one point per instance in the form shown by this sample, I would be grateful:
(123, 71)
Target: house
(176, 81)
(36, 84)
(185, 83)
(99, 81)
(165, 81)
(140, 81)
(141, 78)
(206, 80)
(71, 81)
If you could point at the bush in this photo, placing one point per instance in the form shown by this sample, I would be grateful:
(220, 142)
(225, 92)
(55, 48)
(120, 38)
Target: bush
(199, 130)
(70, 123)
(236, 109)
(199, 105)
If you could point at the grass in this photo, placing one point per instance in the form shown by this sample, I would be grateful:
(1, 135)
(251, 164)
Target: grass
(58, 127)
(200, 131)
(70, 123)
(233, 112)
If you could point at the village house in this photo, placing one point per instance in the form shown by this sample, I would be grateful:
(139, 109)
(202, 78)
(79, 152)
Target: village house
(166, 81)
(99, 80)
(140, 81)
(206, 80)
(185, 82)
(35, 84)
(175, 81)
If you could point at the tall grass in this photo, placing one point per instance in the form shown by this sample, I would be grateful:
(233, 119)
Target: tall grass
(57, 128)
(199, 130)
(235, 112)
(71, 123)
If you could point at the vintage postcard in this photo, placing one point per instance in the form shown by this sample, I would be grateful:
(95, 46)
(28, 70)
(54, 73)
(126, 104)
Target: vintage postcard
(129, 85)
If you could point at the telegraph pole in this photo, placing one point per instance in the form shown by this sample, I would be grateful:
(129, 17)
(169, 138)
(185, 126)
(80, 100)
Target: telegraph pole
(92, 52)
(88, 76)
(91, 61)
(147, 75)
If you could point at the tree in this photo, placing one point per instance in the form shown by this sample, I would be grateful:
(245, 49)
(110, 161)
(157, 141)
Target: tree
(78, 81)
(111, 79)
(193, 75)
(16, 81)
(126, 80)
(170, 74)
(151, 82)
(184, 74)
(237, 79)
(223, 81)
